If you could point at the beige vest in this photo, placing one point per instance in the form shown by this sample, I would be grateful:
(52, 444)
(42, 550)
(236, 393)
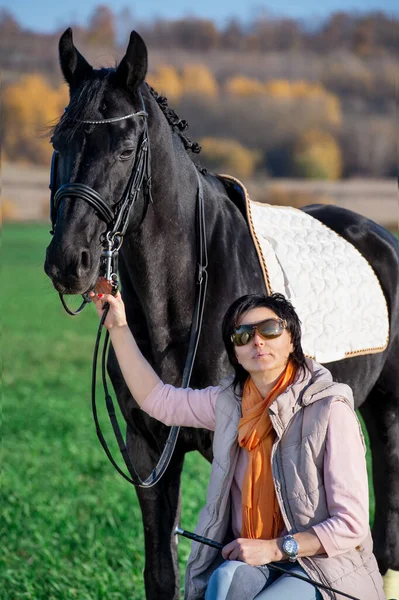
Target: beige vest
(300, 418)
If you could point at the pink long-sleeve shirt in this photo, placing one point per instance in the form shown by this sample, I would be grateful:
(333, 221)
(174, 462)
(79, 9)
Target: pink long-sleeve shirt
(345, 474)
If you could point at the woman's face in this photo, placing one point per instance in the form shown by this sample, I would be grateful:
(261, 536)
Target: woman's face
(260, 354)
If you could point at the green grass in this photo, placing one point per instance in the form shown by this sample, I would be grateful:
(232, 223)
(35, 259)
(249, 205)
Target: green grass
(71, 527)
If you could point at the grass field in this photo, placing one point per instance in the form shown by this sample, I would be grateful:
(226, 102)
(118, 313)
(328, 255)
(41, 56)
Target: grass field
(71, 527)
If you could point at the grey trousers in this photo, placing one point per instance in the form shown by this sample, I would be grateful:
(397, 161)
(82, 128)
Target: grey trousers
(235, 580)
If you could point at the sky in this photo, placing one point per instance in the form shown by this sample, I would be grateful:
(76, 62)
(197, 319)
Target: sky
(46, 16)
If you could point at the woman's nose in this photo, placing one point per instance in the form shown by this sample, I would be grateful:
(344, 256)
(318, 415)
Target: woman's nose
(258, 339)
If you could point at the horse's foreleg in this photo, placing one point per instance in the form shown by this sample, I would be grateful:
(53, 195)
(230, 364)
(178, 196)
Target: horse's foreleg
(381, 414)
(160, 507)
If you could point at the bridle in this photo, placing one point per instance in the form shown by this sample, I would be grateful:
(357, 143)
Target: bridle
(117, 220)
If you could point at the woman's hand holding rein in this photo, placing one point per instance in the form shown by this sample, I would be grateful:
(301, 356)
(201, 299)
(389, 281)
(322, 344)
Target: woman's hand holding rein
(116, 316)
(140, 377)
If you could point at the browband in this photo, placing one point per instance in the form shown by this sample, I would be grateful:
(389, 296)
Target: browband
(141, 113)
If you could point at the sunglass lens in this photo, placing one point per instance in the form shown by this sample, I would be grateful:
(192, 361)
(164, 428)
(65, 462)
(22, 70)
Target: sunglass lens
(244, 338)
(270, 329)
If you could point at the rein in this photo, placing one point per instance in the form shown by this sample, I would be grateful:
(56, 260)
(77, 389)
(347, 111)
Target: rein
(218, 546)
(117, 223)
(196, 326)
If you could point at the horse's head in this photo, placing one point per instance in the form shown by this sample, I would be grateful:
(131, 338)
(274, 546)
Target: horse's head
(97, 149)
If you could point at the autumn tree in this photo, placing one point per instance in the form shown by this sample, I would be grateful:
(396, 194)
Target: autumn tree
(102, 30)
(326, 103)
(244, 86)
(166, 81)
(229, 156)
(295, 94)
(335, 33)
(233, 37)
(195, 34)
(198, 79)
(316, 155)
(30, 107)
(8, 24)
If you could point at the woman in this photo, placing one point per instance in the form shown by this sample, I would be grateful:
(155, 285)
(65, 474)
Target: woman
(288, 482)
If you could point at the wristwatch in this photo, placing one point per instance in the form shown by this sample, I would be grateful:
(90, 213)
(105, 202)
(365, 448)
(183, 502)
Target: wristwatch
(290, 547)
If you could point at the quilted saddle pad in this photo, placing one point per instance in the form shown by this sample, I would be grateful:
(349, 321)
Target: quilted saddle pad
(333, 288)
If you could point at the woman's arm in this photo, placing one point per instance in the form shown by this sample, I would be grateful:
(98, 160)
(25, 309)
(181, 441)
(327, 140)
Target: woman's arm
(346, 483)
(140, 377)
(170, 405)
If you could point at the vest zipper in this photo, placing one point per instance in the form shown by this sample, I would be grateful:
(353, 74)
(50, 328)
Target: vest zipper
(215, 514)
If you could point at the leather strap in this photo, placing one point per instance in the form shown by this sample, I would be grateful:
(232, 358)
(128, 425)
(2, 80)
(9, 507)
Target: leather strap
(86, 193)
(196, 326)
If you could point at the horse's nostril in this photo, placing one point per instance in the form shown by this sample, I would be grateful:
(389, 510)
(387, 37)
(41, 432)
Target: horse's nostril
(85, 260)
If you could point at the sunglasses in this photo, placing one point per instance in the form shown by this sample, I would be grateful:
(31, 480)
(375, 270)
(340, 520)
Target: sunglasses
(268, 329)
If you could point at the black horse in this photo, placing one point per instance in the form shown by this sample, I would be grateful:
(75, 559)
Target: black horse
(158, 274)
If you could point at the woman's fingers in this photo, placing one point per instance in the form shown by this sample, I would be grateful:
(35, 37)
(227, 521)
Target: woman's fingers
(101, 299)
(116, 316)
(105, 297)
(229, 552)
(103, 286)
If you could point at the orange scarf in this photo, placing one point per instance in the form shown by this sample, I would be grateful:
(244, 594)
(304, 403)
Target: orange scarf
(261, 516)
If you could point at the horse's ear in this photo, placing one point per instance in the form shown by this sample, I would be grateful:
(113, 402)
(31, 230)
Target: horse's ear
(133, 67)
(73, 65)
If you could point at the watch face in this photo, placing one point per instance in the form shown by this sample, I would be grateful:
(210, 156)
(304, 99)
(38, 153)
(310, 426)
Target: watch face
(290, 546)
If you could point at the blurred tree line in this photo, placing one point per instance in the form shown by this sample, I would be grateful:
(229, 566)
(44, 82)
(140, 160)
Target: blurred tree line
(272, 97)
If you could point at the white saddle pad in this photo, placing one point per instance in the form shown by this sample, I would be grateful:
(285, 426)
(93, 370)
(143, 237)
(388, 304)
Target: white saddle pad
(333, 288)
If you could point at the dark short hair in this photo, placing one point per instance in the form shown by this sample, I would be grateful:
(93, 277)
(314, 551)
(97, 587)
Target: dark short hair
(282, 308)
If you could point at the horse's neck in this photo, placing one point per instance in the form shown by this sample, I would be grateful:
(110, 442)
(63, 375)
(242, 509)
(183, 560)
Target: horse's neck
(161, 255)
(160, 258)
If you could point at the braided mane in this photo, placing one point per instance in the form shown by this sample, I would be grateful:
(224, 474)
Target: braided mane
(177, 124)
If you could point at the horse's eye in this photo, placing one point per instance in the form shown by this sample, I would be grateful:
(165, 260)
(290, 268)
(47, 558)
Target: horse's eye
(127, 154)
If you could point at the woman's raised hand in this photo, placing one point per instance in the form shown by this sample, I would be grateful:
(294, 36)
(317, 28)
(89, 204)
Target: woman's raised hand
(137, 372)
(116, 316)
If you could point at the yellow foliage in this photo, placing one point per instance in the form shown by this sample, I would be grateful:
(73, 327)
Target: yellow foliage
(300, 89)
(333, 108)
(306, 89)
(279, 88)
(166, 81)
(8, 212)
(229, 156)
(326, 104)
(316, 155)
(30, 107)
(198, 79)
(315, 93)
(195, 79)
(244, 86)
